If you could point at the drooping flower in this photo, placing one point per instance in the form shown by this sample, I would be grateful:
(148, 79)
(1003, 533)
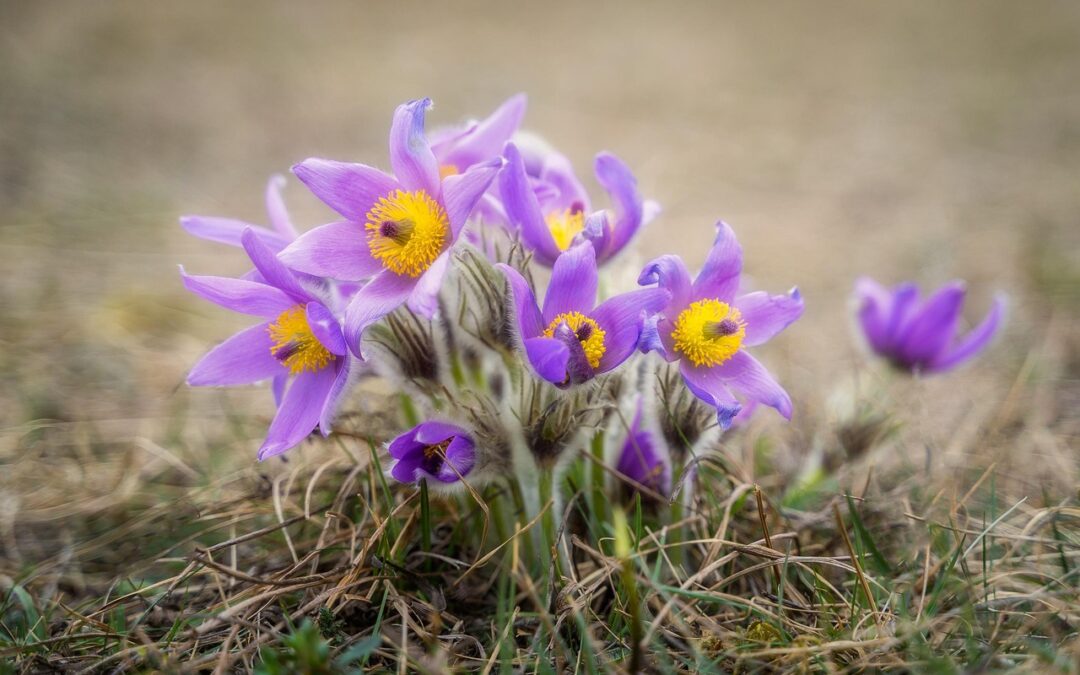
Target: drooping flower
(553, 218)
(707, 329)
(298, 339)
(919, 334)
(643, 456)
(437, 451)
(229, 230)
(571, 340)
(398, 230)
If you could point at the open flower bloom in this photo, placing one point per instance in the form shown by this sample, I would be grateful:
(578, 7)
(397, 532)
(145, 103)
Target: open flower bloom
(228, 230)
(554, 216)
(398, 230)
(643, 457)
(919, 334)
(436, 451)
(707, 329)
(298, 338)
(570, 341)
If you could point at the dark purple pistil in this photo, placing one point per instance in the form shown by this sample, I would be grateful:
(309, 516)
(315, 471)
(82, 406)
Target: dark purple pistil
(285, 351)
(584, 332)
(723, 328)
(398, 231)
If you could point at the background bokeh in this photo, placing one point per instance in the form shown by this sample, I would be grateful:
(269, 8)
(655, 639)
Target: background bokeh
(920, 140)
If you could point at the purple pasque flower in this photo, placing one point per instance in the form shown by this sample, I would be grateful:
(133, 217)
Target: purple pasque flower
(552, 210)
(707, 329)
(437, 451)
(644, 457)
(229, 230)
(398, 230)
(571, 340)
(919, 334)
(298, 339)
(458, 148)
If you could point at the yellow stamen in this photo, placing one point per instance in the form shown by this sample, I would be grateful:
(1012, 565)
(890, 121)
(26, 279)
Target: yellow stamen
(407, 231)
(295, 345)
(709, 332)
(448, 170)
(564, 226)
(588, 333)
(437, 450)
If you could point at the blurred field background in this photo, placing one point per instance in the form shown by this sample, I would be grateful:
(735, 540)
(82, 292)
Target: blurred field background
(919, 140)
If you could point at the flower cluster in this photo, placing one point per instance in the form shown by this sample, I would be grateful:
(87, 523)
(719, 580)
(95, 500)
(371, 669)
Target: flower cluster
(393, 289)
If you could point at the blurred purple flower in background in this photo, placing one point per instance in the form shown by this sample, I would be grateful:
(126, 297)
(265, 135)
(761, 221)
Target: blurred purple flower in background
(706, 328)
(398, 230)
(298, 338)
(229, 230)
(643, 457)
(570, 341)
(551, 209)
(434, 450)
(919, 334)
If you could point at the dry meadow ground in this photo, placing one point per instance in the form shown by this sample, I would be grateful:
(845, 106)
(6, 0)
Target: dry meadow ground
(906, 140)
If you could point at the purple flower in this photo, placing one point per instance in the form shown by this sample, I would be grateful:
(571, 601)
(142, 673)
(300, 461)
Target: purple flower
(707, 329)
(555, 214)
(434, 450)
(643, 457)
(228, 230)
(459, 148)
(570, 341)
(919, 334)
(298, 338)
(398, 230)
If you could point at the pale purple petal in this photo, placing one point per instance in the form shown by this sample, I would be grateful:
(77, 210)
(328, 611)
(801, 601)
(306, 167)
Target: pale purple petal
(424, 299)
(347, 368)
(622, 318)
(573, 282)
(325, 328)
(669, 272)
(239, 295)
(902, 309)
(277, 386)
(548, 357)
(708, 385)
(523, 210)
(228, 231)
(767, 315)
(410, 155)
(529, 320)
(275, 208)
(558, 171)
(299, 412)
(349, 189)
(242, 359)
(598, 231)
(974, 342)
(380, 296)
(747, 376)
(615, 177)
(336, 250)
(462, 191)
(271, 268)
(719, 278)
(874, 304)
(484, 140)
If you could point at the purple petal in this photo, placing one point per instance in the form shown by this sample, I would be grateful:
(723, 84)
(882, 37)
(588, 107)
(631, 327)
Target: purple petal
(434, 431)
(299, 412)
(708, 385)
(336, 250)
(382, 295)
(573, 282)
(326, 328)
(578, 368)
(766, 315)
(642, 459)
(874, 304)
(615, 177)
(349, 189)
(598, 231)
(277, 386)
(932, 328)
(242, 359)
(343, 379)
(484, 140)
(410, 155)
(902, 308)
(460, 458)
(270, 267)
(622, 318)
(974, 342)
(669, 272)
(239, 295)
(719, 278)
(404, 444)
(746, 375)
(558, 171)
(463, 191)
(548, 357)
(424, 299)
(275, 208)
(529, 320)
(523, 210)
(228, 231)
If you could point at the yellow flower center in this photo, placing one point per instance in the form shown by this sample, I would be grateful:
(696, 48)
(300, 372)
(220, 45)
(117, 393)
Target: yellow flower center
(448, 170)
(588, 333)
(564, 226)
(295, 345)
(709, 332)
(407, 231)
